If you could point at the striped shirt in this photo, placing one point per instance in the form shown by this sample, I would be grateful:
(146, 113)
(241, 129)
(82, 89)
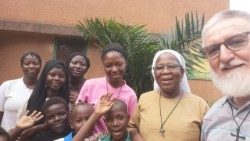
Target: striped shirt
(219, 125)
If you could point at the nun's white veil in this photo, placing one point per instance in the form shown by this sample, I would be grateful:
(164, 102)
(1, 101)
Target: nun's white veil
(184, 82)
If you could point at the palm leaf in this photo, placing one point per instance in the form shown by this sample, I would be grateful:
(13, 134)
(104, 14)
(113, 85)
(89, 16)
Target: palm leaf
(185, 40)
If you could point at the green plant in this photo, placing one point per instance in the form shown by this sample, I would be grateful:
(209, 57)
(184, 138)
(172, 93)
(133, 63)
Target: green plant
(185, 39)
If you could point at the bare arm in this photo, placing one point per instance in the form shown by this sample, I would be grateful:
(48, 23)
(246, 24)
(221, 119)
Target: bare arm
(26, 134)
(24, 123)
(84, 131)
(104, 105)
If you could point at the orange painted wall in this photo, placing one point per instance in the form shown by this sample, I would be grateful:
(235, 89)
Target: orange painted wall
(205, 89)
(96, 68)
(157, 15)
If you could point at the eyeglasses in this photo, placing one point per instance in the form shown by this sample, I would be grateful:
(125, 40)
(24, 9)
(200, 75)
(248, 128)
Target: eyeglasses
(233, 43)
(170, 67)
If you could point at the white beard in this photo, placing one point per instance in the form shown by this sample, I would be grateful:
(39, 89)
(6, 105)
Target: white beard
(236, 83)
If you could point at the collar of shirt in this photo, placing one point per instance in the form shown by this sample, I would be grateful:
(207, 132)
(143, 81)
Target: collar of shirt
(229, 101)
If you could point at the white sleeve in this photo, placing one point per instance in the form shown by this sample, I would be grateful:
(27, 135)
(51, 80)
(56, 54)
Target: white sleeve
(3, 90)
(61, 139)
(22, 110)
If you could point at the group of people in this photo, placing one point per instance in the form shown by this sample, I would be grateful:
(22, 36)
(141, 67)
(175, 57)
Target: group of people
(62, 105)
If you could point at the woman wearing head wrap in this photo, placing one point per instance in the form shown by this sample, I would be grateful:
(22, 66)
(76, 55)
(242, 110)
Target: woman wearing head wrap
(170, 112)
(52, 82)
(184, 82)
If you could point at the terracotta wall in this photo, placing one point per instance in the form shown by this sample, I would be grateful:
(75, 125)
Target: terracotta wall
(205, 89)
(96, 68)
(158, 15)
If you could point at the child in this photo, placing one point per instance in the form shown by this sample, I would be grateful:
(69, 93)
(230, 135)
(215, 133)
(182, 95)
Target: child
(78, 116)
(55, 111)
(116, 120)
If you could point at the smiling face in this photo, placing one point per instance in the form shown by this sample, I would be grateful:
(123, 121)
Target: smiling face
(31, 66)
(168, 73)
(55, 79)
(227, 60)
(77, 66)
(56, 116)
(117, 121)
(230, 67)
(79, 115)
(114, 66)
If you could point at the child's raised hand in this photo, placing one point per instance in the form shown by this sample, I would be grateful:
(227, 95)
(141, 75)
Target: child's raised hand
(28, 121)
(104, 104)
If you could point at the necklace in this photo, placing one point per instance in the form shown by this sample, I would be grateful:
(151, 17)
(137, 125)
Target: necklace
(237, 135)
(107, 88)
(162, 131)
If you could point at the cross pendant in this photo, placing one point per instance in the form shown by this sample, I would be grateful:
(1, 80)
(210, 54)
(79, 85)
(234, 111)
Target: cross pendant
(238, 135)
(162, 131)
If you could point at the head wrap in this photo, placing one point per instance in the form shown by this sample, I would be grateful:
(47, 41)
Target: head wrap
(184, 82)
(38, 96)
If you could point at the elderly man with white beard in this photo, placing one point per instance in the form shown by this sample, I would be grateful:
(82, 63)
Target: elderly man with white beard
(226, 45)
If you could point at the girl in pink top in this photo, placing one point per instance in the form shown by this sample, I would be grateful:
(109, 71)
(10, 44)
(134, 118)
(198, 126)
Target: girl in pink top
(114, 60)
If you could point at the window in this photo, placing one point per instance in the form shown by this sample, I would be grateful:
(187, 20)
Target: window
(66, 46)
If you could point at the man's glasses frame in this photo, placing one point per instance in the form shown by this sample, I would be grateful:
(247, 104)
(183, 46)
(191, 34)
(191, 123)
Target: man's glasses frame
(233, 43)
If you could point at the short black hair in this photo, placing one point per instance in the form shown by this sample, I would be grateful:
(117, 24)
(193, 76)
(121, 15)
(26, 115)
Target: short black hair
(115, 47)
(75, 54)
(90, 106)
(30, 53)
(82, 104)
(4, 133)
(118, 103)
(53, 101)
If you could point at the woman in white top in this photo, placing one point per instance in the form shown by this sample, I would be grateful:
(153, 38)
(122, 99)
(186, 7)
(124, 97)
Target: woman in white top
(13, 93)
